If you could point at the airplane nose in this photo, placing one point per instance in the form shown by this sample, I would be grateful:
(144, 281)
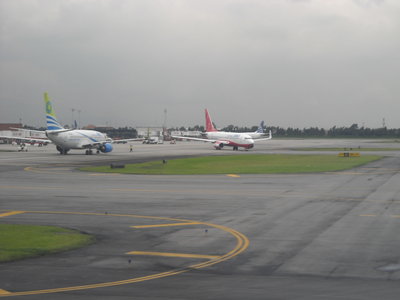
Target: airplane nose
(252, 143)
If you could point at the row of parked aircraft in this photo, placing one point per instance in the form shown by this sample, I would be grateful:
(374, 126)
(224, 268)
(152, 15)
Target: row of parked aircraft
(92, 140)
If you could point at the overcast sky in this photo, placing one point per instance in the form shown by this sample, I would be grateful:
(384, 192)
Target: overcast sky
(297, 63)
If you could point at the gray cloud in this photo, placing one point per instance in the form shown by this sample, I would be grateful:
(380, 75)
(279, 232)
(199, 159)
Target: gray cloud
(291, 63)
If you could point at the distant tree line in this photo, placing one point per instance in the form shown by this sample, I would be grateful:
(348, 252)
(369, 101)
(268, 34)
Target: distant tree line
(338, 132)
(334, 132)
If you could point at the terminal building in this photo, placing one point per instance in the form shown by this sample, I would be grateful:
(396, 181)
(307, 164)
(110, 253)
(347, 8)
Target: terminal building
(150, 131)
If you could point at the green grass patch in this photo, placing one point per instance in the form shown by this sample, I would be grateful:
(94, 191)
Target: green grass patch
(345, 149)
(243, 164)
(24, 241)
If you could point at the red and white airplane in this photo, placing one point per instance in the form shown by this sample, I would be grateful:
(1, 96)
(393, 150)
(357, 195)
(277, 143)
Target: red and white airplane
(221, 139)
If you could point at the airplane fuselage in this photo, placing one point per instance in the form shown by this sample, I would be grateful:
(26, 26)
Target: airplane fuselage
(232, 139)
(76, 139)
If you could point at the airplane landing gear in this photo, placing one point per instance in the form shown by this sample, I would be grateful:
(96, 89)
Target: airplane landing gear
(62, 150)
(89, 152)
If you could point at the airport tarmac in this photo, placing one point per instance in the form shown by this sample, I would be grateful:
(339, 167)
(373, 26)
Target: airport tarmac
(300, 236)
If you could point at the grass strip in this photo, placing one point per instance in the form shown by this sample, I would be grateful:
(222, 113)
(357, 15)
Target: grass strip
(242, 164)
(345, 149)
(24, 241)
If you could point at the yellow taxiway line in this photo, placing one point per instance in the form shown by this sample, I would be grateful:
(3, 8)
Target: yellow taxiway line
(4, 293)
(168, 254)
(13, 187)
(374, 215)
(166, 225)
(242, 243)
(11, 213)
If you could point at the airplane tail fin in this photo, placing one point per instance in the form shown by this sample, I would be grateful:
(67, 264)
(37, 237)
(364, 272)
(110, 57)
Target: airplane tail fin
(260, 128)
(209, 124)
(51, 119)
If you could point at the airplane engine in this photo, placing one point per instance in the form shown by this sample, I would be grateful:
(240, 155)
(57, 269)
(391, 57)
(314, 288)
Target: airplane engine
(218, 145)
(107, 147)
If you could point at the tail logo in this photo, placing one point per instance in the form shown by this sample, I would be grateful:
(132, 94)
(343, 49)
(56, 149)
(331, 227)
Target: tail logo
(49, 109)
(51, 120)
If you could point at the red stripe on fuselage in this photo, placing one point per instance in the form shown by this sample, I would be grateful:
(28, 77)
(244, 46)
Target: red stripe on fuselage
(246, 146)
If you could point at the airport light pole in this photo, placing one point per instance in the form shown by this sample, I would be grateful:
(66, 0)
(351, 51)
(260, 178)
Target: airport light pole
(165, 124)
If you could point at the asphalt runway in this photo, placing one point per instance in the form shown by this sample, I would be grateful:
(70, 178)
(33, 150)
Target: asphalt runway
(301, 236)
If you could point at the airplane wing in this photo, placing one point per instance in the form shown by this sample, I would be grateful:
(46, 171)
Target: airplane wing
(55, 132)
(30, 130)
(193, 138)
(94, 144)
(264, 139)
(26, 139)
(218, 144)
(126, 140)
(110, 141)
